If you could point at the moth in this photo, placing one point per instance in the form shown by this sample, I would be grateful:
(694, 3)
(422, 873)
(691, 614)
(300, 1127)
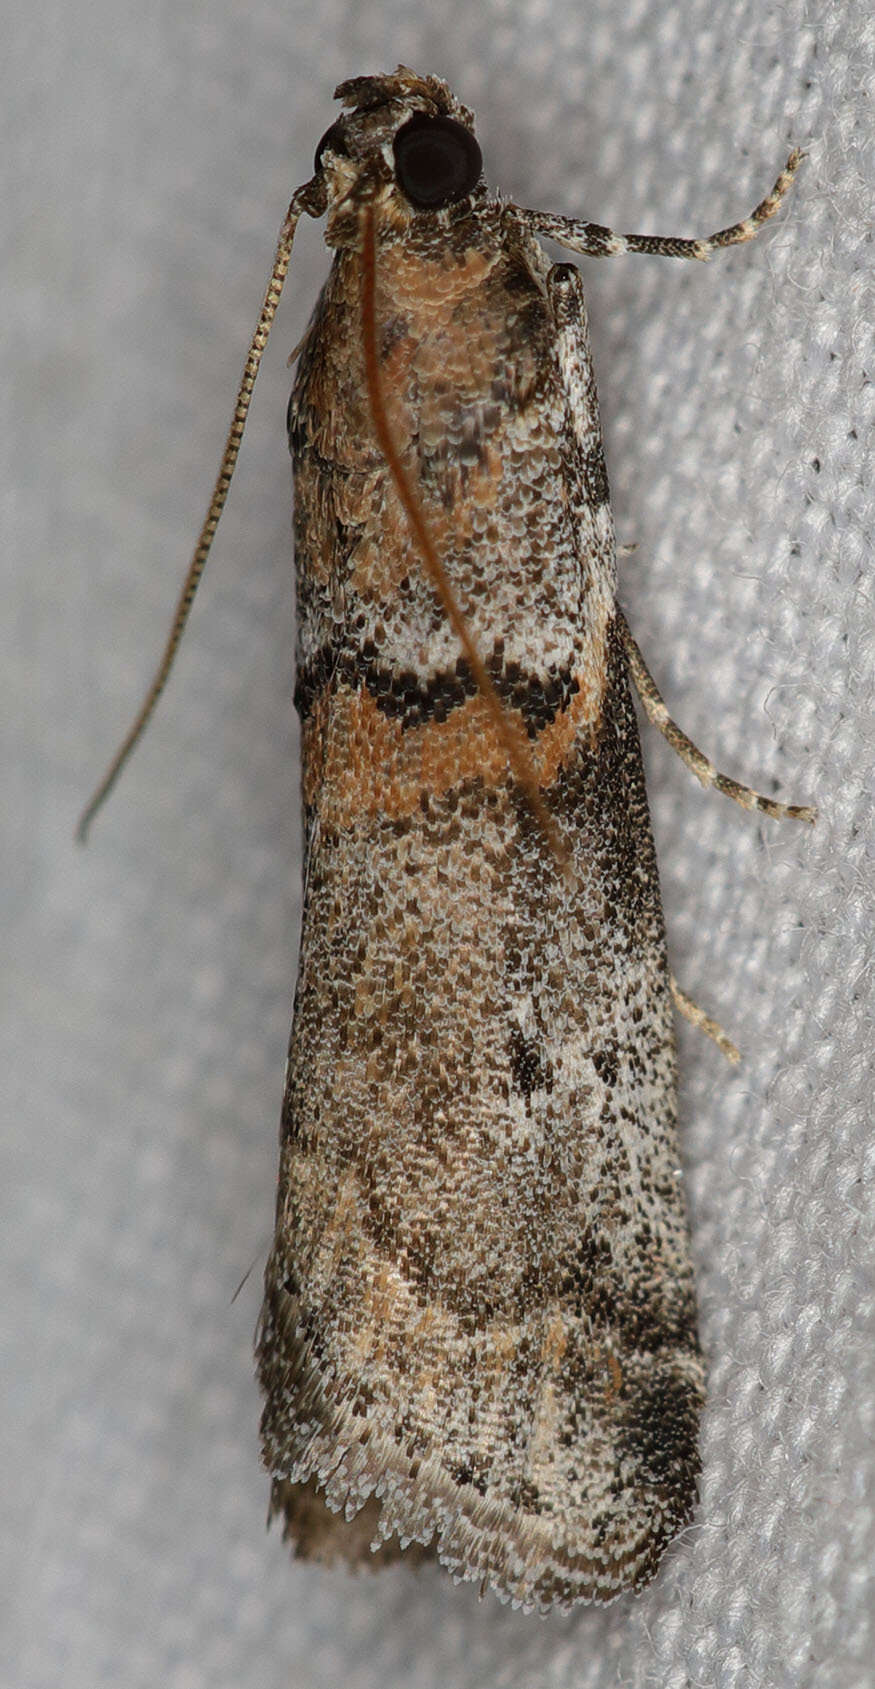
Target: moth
(478, 1339)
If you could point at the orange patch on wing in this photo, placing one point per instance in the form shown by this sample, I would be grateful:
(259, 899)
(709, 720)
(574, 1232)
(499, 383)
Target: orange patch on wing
(360, 761)
(371, 765)
(555, 743)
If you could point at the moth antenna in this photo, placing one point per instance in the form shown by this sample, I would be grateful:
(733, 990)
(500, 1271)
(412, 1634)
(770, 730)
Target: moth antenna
(207, 533)
(514, 744)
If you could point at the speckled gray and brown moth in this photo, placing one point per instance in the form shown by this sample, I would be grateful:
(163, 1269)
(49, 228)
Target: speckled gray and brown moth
(478, 1339)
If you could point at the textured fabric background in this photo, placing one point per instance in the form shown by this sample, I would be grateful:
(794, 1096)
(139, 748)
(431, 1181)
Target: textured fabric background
(148, 155)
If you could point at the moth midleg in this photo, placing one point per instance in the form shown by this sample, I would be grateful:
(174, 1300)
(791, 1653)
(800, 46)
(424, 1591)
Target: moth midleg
(689, 753)
(691, 1011)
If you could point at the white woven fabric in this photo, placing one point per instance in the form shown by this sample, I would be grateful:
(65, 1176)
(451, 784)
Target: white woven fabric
(148, 156)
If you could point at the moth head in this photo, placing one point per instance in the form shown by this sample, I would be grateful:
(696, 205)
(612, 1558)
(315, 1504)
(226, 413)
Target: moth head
(407, 146)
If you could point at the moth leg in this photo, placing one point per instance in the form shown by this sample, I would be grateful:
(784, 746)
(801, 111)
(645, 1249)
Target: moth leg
(599, 242)
(689, 753)
(690, 1010)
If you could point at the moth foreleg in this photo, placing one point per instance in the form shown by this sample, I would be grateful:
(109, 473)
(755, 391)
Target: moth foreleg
(600, 242)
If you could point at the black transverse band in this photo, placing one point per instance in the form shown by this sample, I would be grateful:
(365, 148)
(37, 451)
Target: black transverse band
(418, 701)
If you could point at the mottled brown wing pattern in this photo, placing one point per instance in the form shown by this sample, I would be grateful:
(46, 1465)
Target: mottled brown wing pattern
(479, 1328)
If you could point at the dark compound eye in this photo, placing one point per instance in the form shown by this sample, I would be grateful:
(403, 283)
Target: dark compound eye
(333, 139)
(436, 161)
